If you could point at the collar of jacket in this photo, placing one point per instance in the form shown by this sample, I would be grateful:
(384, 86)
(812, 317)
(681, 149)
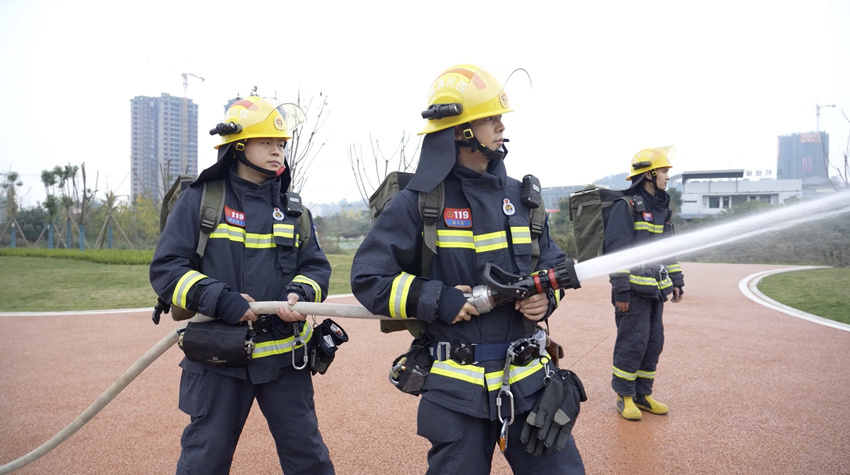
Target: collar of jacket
(270, 188)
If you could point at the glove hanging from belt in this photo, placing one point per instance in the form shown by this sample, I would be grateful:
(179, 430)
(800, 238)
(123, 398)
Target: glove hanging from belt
(550, 422)
(330, 336)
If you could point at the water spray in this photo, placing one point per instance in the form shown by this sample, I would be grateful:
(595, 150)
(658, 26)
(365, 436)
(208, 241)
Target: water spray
(713, 236)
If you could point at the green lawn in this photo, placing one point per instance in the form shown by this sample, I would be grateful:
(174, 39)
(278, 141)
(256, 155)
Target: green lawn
(34, 284)
(821, 292)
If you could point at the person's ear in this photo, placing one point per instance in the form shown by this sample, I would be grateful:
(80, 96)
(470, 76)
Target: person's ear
(458, 133)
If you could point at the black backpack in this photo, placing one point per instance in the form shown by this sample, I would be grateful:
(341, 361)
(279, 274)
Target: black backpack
(589, 210)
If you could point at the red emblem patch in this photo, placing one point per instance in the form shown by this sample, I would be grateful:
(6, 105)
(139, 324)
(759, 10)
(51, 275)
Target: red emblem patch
(236, 218)
(458, 217)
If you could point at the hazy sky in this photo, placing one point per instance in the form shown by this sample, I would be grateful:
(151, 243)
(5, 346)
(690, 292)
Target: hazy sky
(719, 80)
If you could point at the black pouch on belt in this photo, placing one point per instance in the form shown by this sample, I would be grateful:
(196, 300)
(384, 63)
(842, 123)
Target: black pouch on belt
(217, 343)
(410, 370)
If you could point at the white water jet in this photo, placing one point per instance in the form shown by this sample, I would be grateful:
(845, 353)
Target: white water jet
(727, 232)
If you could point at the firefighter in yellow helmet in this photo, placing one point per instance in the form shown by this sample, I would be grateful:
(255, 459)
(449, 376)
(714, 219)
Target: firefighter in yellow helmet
(638, 294)
(470, 403)
(252, 255)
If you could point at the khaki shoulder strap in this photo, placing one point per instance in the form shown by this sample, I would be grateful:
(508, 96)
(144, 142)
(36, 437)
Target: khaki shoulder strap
(430, 208)
(305, 228)
(212, 205)
(536, 220)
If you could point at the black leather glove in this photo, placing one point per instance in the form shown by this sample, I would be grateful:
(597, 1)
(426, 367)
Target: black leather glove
(550, 422)
(330, 336)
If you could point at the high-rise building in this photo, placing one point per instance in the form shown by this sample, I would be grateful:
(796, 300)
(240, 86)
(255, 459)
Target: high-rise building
(164, 143)
(803, 156)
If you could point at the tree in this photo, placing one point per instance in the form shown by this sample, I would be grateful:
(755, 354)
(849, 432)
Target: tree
(370, 173)
(9, 187)
(76, 198)
(561, 228)
(303, 149)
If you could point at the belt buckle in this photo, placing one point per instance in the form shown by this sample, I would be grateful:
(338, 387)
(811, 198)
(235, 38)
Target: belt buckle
(464, 354)
(442, 351)
(264, 324)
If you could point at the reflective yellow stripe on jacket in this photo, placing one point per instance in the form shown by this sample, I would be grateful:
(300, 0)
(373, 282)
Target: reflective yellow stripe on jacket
(398, 295)
(253, 240)
(464, 239)
(317, 290)
(475, 374)
(649, 227)
(286, 345)
(184, 285)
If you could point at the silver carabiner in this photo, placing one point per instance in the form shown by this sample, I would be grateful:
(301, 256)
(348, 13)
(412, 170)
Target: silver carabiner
(510, 395)
(299, 341)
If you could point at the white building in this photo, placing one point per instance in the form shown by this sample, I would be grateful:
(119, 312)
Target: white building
(707, 193)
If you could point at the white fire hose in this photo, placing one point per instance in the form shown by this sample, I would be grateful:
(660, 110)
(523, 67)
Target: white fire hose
(305, 308)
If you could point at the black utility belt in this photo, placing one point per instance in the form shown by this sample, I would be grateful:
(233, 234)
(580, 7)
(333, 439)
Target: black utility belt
(469, 353)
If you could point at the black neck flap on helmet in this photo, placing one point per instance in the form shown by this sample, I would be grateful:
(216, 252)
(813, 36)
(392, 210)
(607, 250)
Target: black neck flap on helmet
(436, 160)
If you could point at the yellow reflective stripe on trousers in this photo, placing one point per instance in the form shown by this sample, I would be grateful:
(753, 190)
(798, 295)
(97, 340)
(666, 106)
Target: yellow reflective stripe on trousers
(279, 347)
(184, 285)
(624, 374)
(475, 374)
(646, 374)
(653, 228)
(303, 279)
(398, 295)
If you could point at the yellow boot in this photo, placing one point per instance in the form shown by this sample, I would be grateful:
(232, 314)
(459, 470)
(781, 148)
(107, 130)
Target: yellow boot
(645, 402)
(627, 408)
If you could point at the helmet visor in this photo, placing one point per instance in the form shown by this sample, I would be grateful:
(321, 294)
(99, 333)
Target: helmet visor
(247, 113)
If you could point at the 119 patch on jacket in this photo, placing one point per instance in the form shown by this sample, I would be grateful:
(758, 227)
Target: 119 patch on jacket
(236, 218)
(458, 217)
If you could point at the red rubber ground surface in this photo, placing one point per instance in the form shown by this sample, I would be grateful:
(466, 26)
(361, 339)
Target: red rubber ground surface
(750, 390)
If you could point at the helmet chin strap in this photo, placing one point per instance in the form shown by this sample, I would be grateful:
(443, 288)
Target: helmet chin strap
(239, 150)
(474, 144)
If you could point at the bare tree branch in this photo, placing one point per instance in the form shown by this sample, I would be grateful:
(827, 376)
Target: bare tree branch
(381, 164)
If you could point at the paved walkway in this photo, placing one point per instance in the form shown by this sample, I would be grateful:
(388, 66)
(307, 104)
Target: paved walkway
(751, 390)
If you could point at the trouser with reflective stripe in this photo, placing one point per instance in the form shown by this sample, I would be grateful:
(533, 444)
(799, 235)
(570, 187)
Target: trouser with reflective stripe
(219, 405)
(462, 444)
(640, 339)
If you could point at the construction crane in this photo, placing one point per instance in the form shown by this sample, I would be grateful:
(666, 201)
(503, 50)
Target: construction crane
(184, 145)
(818, 107)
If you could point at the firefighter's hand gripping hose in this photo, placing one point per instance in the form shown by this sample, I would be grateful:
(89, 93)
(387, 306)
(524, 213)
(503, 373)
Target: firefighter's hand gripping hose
(502, 286)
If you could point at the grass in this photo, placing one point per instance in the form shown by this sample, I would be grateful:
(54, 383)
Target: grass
(821, 292)
(69, 283)
(35, 284)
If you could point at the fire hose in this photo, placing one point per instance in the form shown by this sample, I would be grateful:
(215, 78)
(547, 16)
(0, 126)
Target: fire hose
(501, 287)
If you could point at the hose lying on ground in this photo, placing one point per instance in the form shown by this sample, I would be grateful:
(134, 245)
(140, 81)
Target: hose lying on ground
(306, 308)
